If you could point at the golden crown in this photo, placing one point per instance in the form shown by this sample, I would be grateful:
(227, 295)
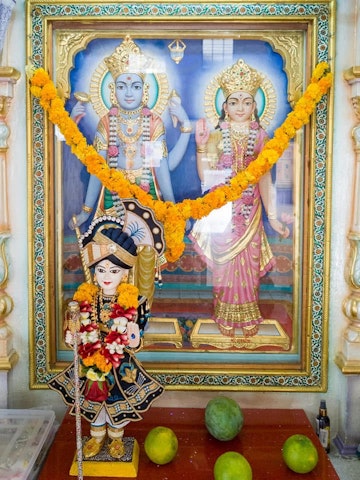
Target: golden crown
(127, 58)
(240, 77)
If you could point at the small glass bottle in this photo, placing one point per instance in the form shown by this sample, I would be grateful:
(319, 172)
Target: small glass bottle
(317, 420)
(324, 426)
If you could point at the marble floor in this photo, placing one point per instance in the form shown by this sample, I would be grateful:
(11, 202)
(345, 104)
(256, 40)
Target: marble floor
(348, 468)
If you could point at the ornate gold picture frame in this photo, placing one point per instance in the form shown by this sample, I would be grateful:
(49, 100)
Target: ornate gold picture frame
(192, 44)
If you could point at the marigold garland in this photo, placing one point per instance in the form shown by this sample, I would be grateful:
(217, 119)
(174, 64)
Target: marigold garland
(174, 216)
(98, 356)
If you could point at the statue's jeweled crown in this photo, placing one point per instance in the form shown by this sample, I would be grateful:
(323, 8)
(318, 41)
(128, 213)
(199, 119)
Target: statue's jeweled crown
(240, 76)
(127, 58)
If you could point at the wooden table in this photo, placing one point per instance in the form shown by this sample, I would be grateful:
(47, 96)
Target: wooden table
(260, 441)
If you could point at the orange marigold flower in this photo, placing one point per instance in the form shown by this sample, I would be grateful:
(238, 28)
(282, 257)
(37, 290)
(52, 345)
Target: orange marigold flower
(40, 78)
(319, 71)
(175, 216)
(85, 292)
(127, 295)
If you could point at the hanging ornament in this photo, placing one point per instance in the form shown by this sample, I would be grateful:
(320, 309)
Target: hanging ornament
(177, 48)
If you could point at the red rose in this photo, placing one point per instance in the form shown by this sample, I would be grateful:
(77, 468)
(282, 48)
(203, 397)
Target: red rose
(96, 391)
(113, 337)
(90, 327)
(145, 186)
(87, 349)
(113, 151)
(85, 306)
(113, 358)
(117, 311)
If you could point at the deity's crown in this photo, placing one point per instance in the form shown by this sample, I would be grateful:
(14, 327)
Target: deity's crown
(127, 58)
(240, 77)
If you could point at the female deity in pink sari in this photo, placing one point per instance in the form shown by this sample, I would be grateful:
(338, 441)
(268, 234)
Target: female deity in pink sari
(234, 244)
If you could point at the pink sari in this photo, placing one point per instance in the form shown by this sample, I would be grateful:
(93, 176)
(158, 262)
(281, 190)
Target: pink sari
(238, 256)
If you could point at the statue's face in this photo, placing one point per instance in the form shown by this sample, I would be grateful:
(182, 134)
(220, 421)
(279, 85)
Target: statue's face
(108, 276)
(240, 106)
(129, 91)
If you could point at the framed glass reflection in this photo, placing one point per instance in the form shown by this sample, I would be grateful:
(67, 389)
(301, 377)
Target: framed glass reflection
(184, 345)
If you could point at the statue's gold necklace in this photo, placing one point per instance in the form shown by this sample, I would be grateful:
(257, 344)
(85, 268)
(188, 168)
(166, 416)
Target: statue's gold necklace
(105, 309)
(141, 117)
(239, 143)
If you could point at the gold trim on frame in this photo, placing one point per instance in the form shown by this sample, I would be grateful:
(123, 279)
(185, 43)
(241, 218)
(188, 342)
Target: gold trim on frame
(290, 45)
(59, 37)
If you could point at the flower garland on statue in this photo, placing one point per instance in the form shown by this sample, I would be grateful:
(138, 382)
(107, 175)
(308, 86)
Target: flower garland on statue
(99, 356)
(174, 215)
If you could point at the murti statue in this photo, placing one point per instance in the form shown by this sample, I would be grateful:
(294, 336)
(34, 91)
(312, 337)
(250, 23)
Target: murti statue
(114, 388)
(131, 137)
(238, 253)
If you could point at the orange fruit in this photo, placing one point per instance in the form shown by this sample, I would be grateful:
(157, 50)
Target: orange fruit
(232, 466)
(223, 418)
(161, 445)
(300, 454)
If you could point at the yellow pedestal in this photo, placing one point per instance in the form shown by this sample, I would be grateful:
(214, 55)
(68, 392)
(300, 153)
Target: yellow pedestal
(163, 330)
(103, 465)
(271, 334)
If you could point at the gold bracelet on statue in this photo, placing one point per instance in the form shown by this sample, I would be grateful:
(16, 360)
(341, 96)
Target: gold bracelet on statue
(185, 129)
(86, 209)
(201, 149)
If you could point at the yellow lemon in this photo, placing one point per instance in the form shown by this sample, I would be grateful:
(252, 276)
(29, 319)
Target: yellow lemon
(161, 445)
(232, 466)
(300, 454)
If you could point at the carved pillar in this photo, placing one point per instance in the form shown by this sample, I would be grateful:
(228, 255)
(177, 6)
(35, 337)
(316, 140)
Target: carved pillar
(8, 356)
(349, 358)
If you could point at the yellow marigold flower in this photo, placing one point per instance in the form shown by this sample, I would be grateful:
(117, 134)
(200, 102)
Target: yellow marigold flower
(101, 363)
(40, 78)
(36, 91)
(319, 71)
(85, 292)
(127, 295)
(88, 361)
(173, 215)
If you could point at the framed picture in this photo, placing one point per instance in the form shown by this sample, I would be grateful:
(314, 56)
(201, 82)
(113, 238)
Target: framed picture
(188, 50)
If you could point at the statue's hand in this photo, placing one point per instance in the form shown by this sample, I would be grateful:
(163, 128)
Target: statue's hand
(80, 219)
(279, 227)
(176, 110)
(202, 132)
(78, 112)
(133, 333)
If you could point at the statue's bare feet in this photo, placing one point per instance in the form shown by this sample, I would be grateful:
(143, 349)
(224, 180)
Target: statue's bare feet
(250, 331)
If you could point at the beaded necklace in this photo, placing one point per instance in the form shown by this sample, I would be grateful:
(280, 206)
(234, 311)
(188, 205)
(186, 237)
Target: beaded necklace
(230, 159)
(105, 309)
(142, 135)
(231, 137)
